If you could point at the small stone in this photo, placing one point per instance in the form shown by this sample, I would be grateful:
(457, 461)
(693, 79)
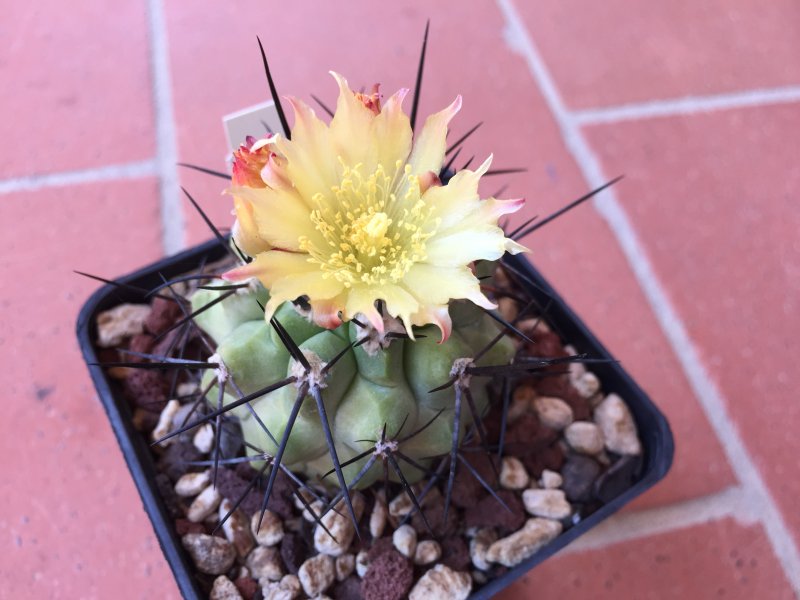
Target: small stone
(344, 566)
(311, 512)
(512, 550)
(619, 429)
(377, 520)
(507, 308)
(265, 563)
(293, 552)
(401, 505)
(191, 484)
(211, 554)
(550, 504)
(389, 577)
(579, 474)
(553, 412)
(147, 389)
(587, 385)
(427, 552)
(203, 438)
(349, 589)
(224, 589)
(236, 528)
(551, 480)
(163, 315)
(513, 475)
(404, 539)
(123, 321)
(442, 583)
(271, 531)
(317, 574)
(205, 504)
(188, 388)
(288, 588)
(584, 437)
(184, 526)
(164, 425)
(247, 586)
(479, 547)
(362, 563)
(490, 513)
(339, 526)
(455, 552)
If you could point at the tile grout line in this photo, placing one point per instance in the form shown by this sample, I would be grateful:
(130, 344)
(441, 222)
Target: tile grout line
(687, 105)
(172, 220)
(708, 395)
(732, 502)
(132, 170)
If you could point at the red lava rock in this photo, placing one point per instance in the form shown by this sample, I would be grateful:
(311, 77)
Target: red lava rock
(168, 495)
(173, 462)
(435, 516)
(379, 547)
(349, 589)
(527, 435)
(147, 389)
(546, 344)
(467, 490)
(552, 457)
(455, 553)
(231, 486)
(247, 587)
(163, 314)
(490, 513)
(294, 552)
(141, 342)
(184, 526)
(389, 577)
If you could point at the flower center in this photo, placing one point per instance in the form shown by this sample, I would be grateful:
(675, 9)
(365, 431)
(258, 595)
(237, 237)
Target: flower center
(375, 227)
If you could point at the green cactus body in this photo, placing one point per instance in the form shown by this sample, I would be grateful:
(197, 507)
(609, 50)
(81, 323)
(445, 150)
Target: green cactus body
(368, 388)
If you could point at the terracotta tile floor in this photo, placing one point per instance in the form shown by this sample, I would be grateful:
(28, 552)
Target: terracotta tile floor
(689, 270)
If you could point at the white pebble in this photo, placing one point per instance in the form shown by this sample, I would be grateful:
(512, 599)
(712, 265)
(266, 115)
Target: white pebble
(479, 547)
(442, 583)
(405, 540)
(191, 484)
(427, 551)
(205, 504)
(553, 412)
(265, 563)
(317, 574)
(271, 531)
(550, 504)
(340, 529)
(123, 321)
(164, 425)
(224, 589)
(236, 528)
(584, 437)
(512, 550)
(401, 505)
(344, 566)
(203, 438)
(377, 520)
(362, 563)
(551, 480)
(513, 475)
(619, 429)
(288, 588)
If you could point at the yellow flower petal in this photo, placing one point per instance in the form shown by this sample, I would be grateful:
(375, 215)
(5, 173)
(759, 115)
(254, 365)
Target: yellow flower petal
(430, 145)
(279, 215)
(352, 121)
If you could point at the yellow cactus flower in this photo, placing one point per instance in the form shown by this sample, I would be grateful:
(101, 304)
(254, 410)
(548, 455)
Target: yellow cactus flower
(351, 213)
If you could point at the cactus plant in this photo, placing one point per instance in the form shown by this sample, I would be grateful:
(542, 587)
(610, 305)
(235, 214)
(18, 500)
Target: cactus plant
(353, 338)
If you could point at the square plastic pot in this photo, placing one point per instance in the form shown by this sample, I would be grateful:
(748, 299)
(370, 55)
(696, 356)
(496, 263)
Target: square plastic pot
(653, 428)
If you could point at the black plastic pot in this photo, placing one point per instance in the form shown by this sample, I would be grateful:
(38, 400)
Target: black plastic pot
(653, 428)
